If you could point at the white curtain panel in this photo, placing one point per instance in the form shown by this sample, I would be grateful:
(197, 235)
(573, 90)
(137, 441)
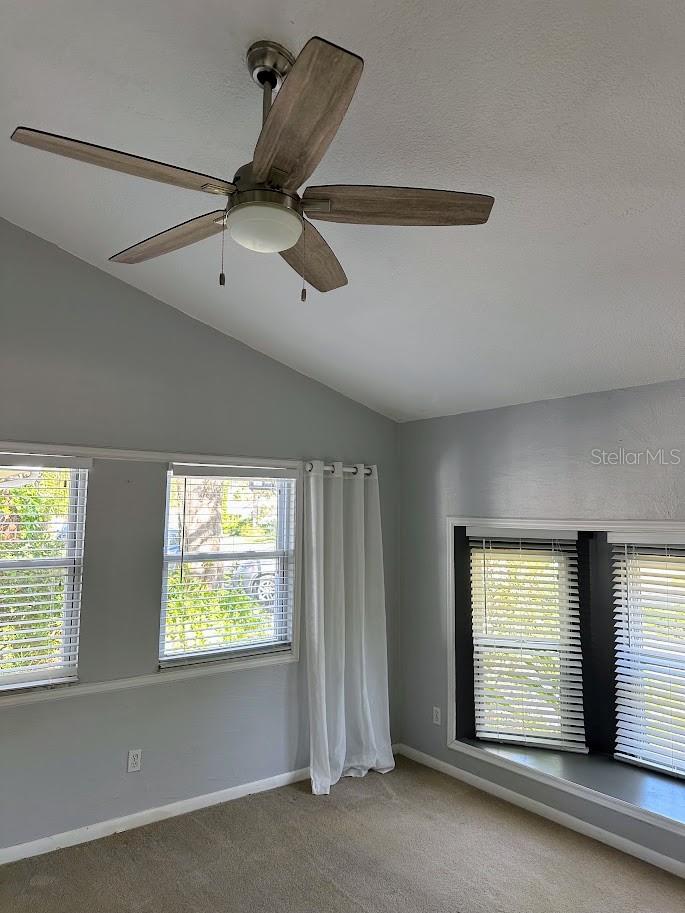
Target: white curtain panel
(347, 667)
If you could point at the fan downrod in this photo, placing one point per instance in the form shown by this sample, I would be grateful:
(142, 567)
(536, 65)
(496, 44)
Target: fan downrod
(269, 63)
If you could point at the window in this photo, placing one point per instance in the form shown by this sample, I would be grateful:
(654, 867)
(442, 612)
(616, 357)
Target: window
(229, 562)
(42, 516)
(649, 615)
(526, 640)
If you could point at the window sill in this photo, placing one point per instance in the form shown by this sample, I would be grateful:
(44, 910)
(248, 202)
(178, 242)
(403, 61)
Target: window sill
(651, 797)
(162, 676)
(27, 687)
(252, 655)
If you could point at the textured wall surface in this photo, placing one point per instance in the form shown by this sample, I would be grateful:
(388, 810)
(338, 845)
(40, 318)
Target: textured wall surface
(531, 461)
(569, 113)
(85, 359)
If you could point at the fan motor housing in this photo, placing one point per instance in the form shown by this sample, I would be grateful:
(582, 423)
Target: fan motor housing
(264, 195)
(250, 191)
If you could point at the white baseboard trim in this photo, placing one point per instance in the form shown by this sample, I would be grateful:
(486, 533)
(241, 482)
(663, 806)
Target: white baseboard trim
(146, 816)
(576, 824)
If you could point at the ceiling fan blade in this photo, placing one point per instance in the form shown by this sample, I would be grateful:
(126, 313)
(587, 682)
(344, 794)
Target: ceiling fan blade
(312, 255)
(306, 113)
(121, 161)
(369, 205)
(173, 238)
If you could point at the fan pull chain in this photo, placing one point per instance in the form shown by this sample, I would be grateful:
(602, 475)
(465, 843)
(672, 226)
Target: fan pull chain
(303, 293)
(222, 277)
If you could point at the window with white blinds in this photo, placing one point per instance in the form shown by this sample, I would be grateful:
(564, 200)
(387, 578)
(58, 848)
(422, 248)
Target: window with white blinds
(42, 517)
(649, 619)
(229, 562)
(526, 641)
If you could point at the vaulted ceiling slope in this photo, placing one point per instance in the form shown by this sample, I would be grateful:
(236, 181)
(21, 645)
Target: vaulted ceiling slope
(570, 114)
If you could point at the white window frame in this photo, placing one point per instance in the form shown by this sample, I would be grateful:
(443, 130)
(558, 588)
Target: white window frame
(72, 563)
(251, 655)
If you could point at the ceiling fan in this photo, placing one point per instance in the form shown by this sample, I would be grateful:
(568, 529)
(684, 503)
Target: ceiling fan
(264, 211)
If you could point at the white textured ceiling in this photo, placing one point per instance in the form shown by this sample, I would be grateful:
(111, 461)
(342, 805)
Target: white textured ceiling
(570, 113)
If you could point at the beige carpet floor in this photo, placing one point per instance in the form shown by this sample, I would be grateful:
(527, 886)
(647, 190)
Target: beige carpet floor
(413, 840)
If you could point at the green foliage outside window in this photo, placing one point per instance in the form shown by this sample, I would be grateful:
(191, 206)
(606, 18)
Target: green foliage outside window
(522, 606)
(236, 525)
(34, 506)
(202, 615)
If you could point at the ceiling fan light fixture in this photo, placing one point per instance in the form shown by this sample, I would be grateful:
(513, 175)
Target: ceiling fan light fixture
(263, 209)
(264, 227)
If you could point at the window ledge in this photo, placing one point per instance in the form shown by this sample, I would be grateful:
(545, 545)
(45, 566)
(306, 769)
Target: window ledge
(643, 794)
(255, 654)
(21, 687)
(162, 676)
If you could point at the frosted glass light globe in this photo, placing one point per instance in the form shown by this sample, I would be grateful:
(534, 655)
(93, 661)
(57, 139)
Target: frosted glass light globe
(264, 227)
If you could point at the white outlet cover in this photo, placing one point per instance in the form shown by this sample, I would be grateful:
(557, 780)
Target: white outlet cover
(135, 759)
(436, 715)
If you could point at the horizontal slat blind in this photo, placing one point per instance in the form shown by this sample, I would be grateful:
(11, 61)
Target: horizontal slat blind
(42, 515)
(527, 660)
(649, 618)
(229, 563)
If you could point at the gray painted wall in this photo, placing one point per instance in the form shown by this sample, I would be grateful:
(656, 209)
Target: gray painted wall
(523, 461)
(86, 359)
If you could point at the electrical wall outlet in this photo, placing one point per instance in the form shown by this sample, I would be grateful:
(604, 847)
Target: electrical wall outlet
(135, 759)
(436, 715)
